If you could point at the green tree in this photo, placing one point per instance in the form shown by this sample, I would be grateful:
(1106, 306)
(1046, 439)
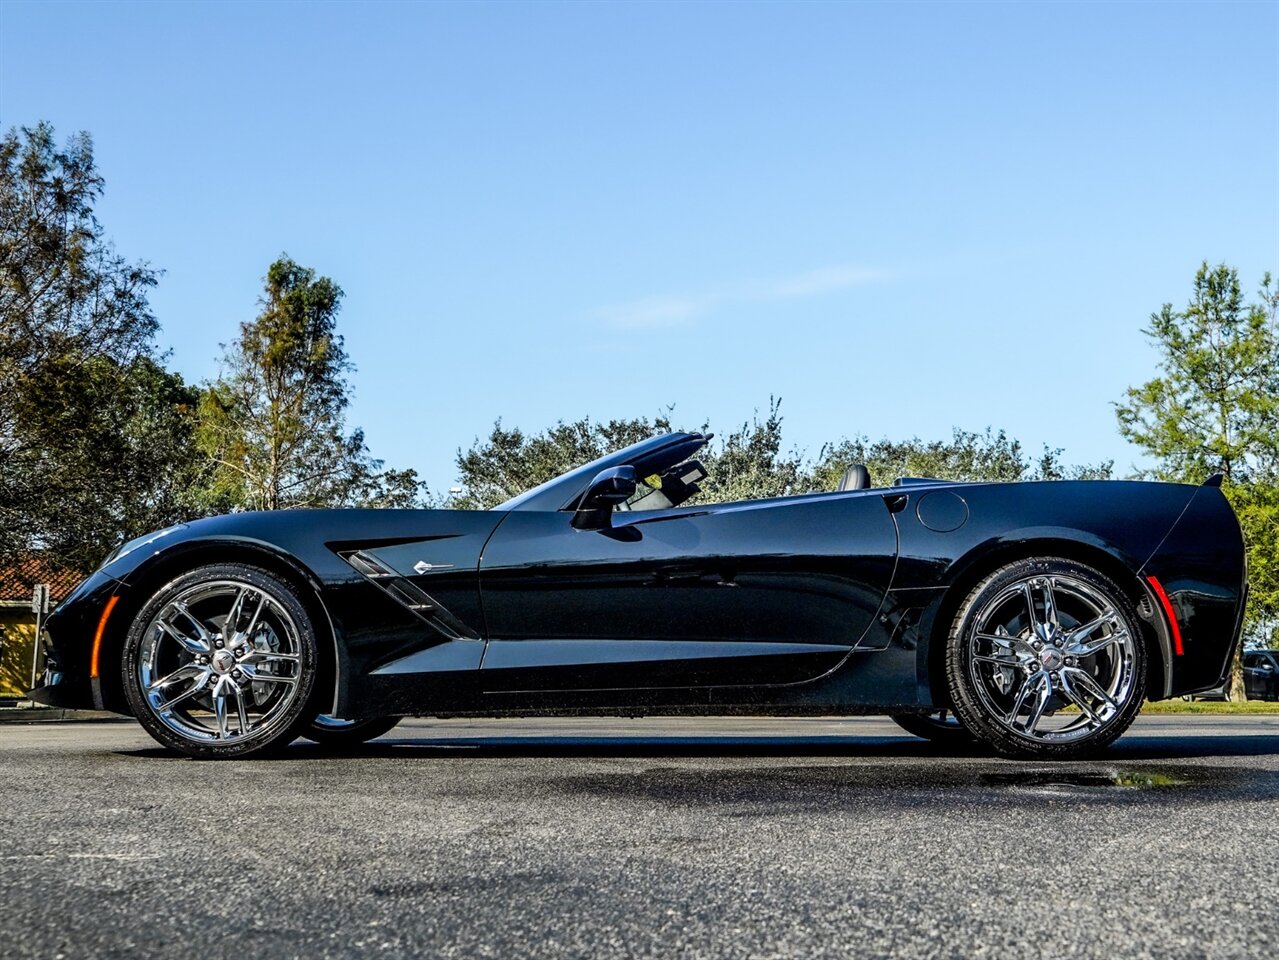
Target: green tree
(508, 462)
(117, 455)
(274, 421)
(95, 435)
(1214, 408)
(967, 455)
(749, 463)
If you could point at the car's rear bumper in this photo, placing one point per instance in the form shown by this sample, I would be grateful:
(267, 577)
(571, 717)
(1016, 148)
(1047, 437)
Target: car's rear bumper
(1200, 567)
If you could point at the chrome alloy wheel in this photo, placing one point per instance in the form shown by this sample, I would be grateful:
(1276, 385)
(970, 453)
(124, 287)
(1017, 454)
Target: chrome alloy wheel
(220, 662)
(1052, 658)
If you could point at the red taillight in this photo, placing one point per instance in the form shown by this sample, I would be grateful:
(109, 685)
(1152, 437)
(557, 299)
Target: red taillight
(1168, 612)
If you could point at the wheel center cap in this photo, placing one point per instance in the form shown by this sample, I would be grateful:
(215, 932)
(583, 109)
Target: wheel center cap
(223, 661)
(1051, 658)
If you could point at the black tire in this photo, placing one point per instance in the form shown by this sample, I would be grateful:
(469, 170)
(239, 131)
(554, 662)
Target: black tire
(338, 735)
(1052, 670)
(242, 666)
(942, 726)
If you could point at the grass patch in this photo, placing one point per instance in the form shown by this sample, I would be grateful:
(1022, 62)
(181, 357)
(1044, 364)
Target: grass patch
(1212, 706)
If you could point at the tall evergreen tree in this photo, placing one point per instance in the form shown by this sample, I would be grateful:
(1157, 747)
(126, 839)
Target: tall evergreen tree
(1214, 408)
(274, 422)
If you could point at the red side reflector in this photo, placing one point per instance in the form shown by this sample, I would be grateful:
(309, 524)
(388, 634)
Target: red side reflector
(97, 635)
(1172, 617)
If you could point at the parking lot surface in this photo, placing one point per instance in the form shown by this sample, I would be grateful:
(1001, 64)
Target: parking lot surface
(641, 838)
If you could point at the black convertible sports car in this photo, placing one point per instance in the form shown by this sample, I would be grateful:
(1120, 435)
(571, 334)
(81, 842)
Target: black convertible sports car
(1035, 617)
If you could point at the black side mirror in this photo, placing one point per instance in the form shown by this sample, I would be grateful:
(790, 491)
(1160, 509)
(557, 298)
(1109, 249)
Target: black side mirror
(609, 488)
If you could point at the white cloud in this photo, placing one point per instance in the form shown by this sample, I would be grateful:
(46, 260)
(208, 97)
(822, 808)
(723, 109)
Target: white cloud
(817, 282)
(657, 312)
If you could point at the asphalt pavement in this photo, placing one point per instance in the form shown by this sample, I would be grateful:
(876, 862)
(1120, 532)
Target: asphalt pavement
(641, 838)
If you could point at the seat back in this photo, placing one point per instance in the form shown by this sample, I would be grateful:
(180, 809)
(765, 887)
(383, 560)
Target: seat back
(856, 477)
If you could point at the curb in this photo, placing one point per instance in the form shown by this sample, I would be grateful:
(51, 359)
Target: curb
(35, 714)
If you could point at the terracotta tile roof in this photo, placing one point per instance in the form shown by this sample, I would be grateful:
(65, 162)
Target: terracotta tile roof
(18, 578)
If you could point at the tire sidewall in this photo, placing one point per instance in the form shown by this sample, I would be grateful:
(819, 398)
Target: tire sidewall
(296, 715)
(348, 737)
(962, 683)
(928, 727)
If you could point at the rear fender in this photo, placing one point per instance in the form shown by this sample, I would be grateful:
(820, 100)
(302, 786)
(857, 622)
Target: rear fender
(1051, 541)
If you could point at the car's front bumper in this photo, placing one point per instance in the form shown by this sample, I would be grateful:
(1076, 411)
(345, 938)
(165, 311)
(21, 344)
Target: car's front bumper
(67, 677)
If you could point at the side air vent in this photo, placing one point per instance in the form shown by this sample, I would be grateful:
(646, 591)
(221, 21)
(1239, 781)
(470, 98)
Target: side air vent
(369, 565)
(409, 595)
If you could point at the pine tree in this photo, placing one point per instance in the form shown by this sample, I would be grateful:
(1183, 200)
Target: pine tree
(274, 421)
(1214, 408)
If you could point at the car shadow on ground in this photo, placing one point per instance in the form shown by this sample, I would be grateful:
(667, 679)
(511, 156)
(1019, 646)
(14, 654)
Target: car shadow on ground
(785, 778)
(1131, 748)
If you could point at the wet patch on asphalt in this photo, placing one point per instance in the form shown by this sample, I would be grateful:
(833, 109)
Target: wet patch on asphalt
(1055, 781)
(801, 789)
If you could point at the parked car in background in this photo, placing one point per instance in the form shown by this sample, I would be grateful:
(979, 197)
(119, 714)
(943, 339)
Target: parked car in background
(1261, 674)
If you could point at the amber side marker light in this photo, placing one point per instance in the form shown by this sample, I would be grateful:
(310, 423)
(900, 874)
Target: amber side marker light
(97, 635)
(1168, 612)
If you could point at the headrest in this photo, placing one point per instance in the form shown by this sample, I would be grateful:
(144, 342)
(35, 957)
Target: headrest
(856, 477)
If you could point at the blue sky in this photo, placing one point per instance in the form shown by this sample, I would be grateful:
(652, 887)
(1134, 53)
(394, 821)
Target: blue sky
(900, 218)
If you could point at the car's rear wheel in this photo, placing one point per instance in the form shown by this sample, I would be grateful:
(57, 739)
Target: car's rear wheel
(220, 663)
(335, 734)
(1046, 660)
(940, 726)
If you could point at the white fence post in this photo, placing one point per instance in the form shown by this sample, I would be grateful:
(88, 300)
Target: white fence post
(40, 607)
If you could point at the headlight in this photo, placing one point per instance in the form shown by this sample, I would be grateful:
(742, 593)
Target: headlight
(141, 541)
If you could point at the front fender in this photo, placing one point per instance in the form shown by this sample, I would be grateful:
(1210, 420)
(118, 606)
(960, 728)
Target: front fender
(85, 633)
(129, 572)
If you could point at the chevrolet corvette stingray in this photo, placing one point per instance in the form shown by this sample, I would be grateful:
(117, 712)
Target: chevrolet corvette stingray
(1034, 617)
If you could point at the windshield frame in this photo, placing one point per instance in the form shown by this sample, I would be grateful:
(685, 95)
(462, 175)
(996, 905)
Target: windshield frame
(563, 491)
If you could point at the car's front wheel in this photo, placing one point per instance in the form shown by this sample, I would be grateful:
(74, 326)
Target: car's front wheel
(1046, 660)
(220, 663)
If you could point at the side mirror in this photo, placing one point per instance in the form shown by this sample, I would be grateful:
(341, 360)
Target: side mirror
(609, 488)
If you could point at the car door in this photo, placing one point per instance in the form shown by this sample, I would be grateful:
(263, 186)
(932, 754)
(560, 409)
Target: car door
(758, 592)
(1253, 677)
(1261, 677)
